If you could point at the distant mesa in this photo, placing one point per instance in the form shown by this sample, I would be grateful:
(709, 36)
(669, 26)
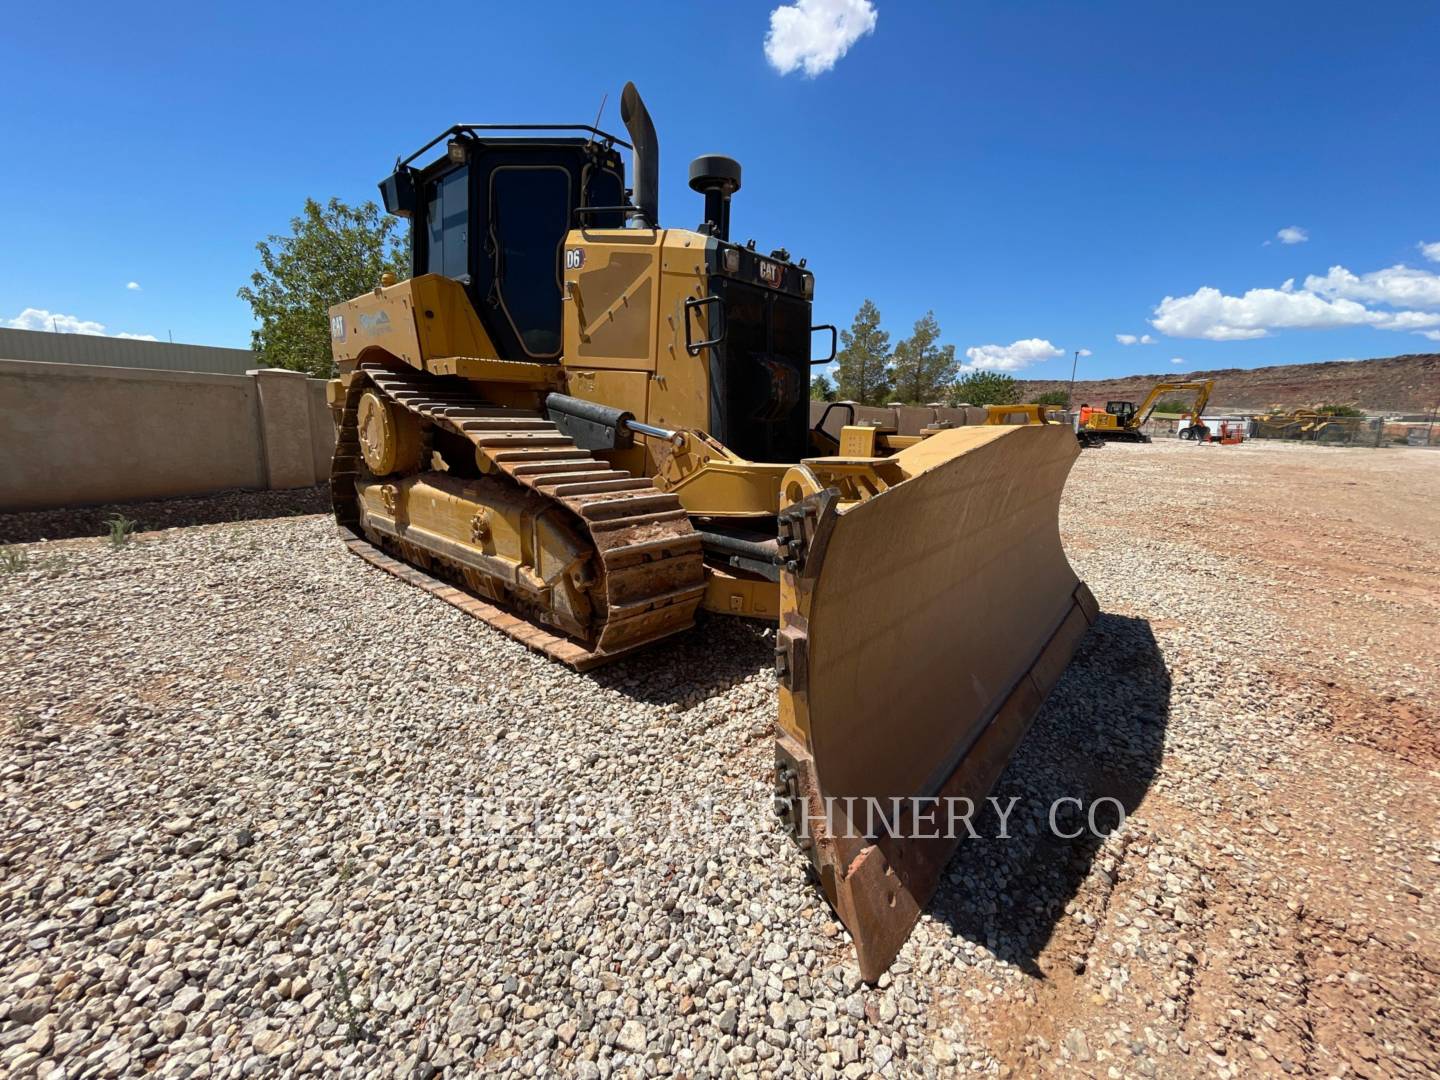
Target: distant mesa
(1408, 385)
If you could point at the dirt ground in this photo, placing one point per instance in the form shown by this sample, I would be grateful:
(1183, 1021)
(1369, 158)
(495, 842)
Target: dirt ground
(1294, 594)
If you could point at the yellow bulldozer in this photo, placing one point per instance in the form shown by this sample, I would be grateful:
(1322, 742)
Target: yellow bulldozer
(585, 429)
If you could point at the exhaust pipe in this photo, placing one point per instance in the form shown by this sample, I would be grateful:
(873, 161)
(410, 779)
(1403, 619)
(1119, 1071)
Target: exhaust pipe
(647, 156)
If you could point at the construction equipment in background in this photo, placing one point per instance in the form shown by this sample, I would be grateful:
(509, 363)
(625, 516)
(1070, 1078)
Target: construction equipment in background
(1306, 424)
(584, 433)
(1229, 436)
(1122, 421)
(1043, 414)
(897, 425)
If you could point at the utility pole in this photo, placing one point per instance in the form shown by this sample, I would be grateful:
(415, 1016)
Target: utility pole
(1070, 397)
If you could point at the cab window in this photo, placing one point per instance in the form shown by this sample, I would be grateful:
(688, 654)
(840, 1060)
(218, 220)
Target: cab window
(529, 217)
(447, 220)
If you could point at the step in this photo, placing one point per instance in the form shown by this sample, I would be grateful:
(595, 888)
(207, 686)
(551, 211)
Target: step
(603, 509)
(576, 465)
(471, 422)
(579, 476)
(540, 441)
(623, 482)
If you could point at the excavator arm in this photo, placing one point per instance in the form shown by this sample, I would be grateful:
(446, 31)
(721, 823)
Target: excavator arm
(1201, 389)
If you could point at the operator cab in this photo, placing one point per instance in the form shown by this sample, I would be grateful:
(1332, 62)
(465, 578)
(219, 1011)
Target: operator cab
(492, 214)
(1121, 410)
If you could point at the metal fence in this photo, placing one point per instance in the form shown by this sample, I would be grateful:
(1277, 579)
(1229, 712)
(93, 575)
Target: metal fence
(1365, 431)
(1169, 427)
(40, 346)
(1361, 431)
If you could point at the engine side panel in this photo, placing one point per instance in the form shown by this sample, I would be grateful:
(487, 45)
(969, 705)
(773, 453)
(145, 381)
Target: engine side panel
(416, 320)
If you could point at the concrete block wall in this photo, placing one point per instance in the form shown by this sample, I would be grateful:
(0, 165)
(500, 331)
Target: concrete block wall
(77, 435)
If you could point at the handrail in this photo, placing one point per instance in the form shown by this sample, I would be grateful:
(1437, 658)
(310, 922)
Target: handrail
(457, 129)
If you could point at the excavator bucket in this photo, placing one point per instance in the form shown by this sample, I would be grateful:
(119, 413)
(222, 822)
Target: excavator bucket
(927, 610)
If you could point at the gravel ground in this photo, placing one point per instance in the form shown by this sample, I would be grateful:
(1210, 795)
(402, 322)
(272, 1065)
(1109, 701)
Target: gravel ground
(36, 525)
(266, 807)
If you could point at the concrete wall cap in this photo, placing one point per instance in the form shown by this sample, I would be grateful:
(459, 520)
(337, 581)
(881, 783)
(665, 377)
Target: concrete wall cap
(46, 369)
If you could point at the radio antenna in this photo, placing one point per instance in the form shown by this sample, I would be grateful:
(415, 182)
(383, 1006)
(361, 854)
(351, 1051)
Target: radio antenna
(600, 112)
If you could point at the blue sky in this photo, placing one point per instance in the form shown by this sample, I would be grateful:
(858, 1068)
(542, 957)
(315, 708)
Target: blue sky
(1042, 175)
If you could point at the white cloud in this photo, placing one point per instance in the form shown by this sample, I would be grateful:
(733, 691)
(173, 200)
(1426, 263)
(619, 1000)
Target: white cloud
(1322, 305)
(815, 34)
(1430, 251)
(1132, 339)
(1433, 335)
(1292, 234)
(1208, 313)
(40, 319)
(1177, 360)
(133, 286)
(1085, 352)
(1012, 357)
(1397, 286)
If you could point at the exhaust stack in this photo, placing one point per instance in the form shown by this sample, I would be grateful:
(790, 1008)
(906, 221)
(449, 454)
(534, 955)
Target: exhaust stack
(647, 155)
(717, 177)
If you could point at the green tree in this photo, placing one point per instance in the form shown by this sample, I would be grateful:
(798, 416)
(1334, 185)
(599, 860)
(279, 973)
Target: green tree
(821, 388)
(923, 368)
(1174, 405)
(1339, 410)
(863, 371)
(1051, 397)
(334, 252)
(987, 388)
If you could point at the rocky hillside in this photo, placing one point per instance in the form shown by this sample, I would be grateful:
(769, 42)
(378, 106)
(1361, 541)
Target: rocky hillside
(1395, 384)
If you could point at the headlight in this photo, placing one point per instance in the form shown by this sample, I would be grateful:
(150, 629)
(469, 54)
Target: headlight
(807, 285)
(732, 260)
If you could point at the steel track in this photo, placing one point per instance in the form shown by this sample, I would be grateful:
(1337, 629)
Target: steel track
(650, 573)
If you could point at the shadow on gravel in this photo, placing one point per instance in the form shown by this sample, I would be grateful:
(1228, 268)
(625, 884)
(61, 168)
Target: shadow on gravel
(28, 527)
(1100, 735)
(717, 654)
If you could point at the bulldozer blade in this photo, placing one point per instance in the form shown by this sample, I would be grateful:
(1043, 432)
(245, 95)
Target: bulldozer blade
(921, 630)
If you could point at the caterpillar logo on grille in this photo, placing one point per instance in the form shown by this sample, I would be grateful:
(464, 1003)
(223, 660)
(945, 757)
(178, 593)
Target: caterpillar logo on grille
(771, 273)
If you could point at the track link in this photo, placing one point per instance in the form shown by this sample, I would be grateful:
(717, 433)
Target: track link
(650, 566)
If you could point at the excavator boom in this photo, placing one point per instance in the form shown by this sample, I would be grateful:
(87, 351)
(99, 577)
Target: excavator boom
(1201, 390)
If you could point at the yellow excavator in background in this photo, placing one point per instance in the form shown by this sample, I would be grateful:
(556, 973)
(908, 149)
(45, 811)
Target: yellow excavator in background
(583, 428)
(1121, 420)
(1306, 424)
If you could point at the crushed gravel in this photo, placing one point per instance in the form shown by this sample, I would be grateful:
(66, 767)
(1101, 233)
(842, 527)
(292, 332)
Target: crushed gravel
(267, 807)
